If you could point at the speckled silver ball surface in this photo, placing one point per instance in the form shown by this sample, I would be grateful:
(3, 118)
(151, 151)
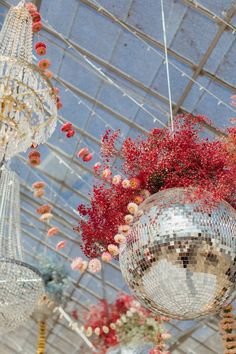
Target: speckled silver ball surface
(180, 257)
(131, 348)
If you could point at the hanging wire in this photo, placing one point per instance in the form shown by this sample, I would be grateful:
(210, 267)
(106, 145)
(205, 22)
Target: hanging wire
(138, 36)
(167, 65)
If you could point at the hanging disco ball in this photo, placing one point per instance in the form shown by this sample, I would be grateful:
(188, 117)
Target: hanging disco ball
(179, 259)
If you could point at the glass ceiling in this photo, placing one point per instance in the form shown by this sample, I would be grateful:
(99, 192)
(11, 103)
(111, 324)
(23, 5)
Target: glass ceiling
(108, 62)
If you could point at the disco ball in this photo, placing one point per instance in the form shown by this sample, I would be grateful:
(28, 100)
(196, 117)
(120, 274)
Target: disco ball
(179, 259)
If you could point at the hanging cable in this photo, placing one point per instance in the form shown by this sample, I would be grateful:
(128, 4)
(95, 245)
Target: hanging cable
(167, 65)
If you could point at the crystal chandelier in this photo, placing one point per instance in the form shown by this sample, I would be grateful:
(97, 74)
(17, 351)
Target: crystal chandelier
(179, 259)
(21, 285)
(28, 110)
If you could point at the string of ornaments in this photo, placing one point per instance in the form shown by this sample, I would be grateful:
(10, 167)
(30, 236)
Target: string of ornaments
(45, 212)
(227, 329)
(44, 64)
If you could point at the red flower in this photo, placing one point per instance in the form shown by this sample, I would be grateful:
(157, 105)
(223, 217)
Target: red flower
(60, 245)
(36, 17)
(40, 48)
(70, 133)
(59, 105)
(34, 158)
(37, 26)
(35, 161)
(41, 51)
(66, 127)
(40, 44)
(88, 157)
(34, 153)
(38, 185)
(83, 152)
(44, 64)
(104, 314)
(43, 209)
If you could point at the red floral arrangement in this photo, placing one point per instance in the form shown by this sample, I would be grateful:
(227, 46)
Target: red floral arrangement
(160, 160)
(124, 321)
(40, 47)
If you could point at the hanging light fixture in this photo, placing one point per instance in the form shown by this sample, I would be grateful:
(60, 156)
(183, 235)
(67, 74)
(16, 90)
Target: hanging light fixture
(21, 285)
(28, 110)
(180, 257)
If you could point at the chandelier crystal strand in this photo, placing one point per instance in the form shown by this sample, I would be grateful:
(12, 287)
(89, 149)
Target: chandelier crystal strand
(18, 46)
(9, 216)
(28, 111)
(21, 285)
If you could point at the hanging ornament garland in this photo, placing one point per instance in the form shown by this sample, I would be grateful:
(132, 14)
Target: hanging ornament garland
(227, 329)
(170, 221)
(124, 323)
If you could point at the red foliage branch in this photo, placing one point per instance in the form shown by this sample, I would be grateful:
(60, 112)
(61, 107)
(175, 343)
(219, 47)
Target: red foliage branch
(159, 161)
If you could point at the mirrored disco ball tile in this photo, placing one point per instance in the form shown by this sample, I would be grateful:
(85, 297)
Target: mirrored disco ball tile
(179, 259)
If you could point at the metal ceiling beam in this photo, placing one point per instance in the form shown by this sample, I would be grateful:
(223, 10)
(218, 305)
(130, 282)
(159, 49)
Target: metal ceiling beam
(10, 347)
(154, 43)
(195, 5)
(110, 67)
(146, 37)
(185, 335)
(119, 72)
(101, 105)
(230, 13)
(131, 124)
